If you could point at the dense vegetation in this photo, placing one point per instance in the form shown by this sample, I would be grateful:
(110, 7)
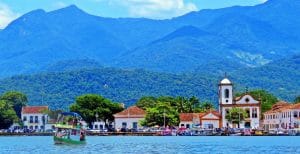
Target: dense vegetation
(247, 42)
(94, 107)
(11, 104)
(59, 89)
(236, 116)
(165, 110)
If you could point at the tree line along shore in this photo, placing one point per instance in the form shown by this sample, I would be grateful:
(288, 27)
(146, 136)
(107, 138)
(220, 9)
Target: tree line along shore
(160, 111)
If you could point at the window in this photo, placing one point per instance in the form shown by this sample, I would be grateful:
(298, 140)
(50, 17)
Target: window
(95, 126)
(247, 100)
(31, 119)
(227, 111)
(24, 118)
(36, 119)
(101, 127)
(248, 112)
(43, 119)
(187, 125)
(42, 127)
(134, 125)
(124, 125)
(296, 125)
(31, 127)
(182, 125)
(36, 127)
(226, 93)
(254, 113)
(295, 114)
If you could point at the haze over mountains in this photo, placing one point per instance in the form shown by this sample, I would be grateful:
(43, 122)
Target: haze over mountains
(251, 43)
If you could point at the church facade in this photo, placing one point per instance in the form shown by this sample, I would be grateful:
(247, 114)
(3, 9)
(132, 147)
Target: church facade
(247, 102)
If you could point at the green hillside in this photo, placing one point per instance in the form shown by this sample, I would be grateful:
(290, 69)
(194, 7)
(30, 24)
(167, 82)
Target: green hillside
(59, 89)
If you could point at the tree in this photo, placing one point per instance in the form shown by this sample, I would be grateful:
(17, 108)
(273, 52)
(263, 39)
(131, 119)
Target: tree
(7, 115)
(180, 104)
(146, 102)
(205, 106)
(90, 105)
(194, 102)
(53, 114)
(162, 115)
(267, 99)
(236, 116)
(16, 99)
(297, 99)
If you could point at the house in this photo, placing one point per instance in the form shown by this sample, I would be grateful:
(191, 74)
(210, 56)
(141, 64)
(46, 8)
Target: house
(35, 117)
(247, 102)
(282, 115)
(210, 119)
(129, 118)
(100, 125)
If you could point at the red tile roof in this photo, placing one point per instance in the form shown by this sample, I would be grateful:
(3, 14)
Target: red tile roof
(131, 112)
(295, 106)
(191, 116)
(34, 109)
(281, 106)
(186, 116)
(216, 113)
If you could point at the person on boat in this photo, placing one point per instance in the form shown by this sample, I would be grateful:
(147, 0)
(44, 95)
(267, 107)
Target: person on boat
(81, 136)
(75, 121)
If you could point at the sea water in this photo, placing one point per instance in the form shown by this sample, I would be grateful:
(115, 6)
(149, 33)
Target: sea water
(154, 144)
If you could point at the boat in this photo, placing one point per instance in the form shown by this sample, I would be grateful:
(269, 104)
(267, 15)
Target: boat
(69, 129)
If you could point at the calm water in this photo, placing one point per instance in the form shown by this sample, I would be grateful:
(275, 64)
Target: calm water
(141, 145)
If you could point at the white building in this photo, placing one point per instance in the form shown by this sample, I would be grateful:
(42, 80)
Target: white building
(246, 102)
(100, 125)
(210, 119)
(282, 116)
(129, 118)
(35, 117)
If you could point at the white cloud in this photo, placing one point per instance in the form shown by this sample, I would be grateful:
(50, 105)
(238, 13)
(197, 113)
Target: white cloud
(263, 1)
(6, 15)
(59, 5)
(157, 9)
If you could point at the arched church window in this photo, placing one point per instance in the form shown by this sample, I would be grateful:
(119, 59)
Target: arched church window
(226, 93)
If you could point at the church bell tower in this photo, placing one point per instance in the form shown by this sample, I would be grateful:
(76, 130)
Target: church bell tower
(225, 92)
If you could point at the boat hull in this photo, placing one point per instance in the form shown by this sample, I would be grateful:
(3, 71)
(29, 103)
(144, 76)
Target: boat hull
(58, 140)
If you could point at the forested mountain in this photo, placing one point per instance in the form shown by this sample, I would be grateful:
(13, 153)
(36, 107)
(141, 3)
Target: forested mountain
(55, 56)
(59, 89)
(249, 36)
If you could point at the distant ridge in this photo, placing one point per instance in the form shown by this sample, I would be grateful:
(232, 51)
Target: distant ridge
(254, 43)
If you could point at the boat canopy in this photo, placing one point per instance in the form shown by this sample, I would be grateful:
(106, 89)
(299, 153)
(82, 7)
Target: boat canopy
(70, 114)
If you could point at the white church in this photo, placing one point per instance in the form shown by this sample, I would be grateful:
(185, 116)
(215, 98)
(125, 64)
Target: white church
(246, 102)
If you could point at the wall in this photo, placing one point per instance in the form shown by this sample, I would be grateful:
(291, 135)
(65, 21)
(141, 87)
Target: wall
(129, 121)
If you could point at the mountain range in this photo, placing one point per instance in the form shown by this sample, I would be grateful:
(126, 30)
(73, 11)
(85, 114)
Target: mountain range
(257, 45)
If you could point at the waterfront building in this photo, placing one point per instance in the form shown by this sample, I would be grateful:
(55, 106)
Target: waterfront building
(129, 118)
(35, 117)
(282, 116)
(210, 119)
(247, 102)
(100, 125)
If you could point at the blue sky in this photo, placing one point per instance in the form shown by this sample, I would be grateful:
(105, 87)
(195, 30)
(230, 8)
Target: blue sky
(155, 9)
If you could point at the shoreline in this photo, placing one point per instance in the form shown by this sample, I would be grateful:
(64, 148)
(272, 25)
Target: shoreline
(118, 134)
